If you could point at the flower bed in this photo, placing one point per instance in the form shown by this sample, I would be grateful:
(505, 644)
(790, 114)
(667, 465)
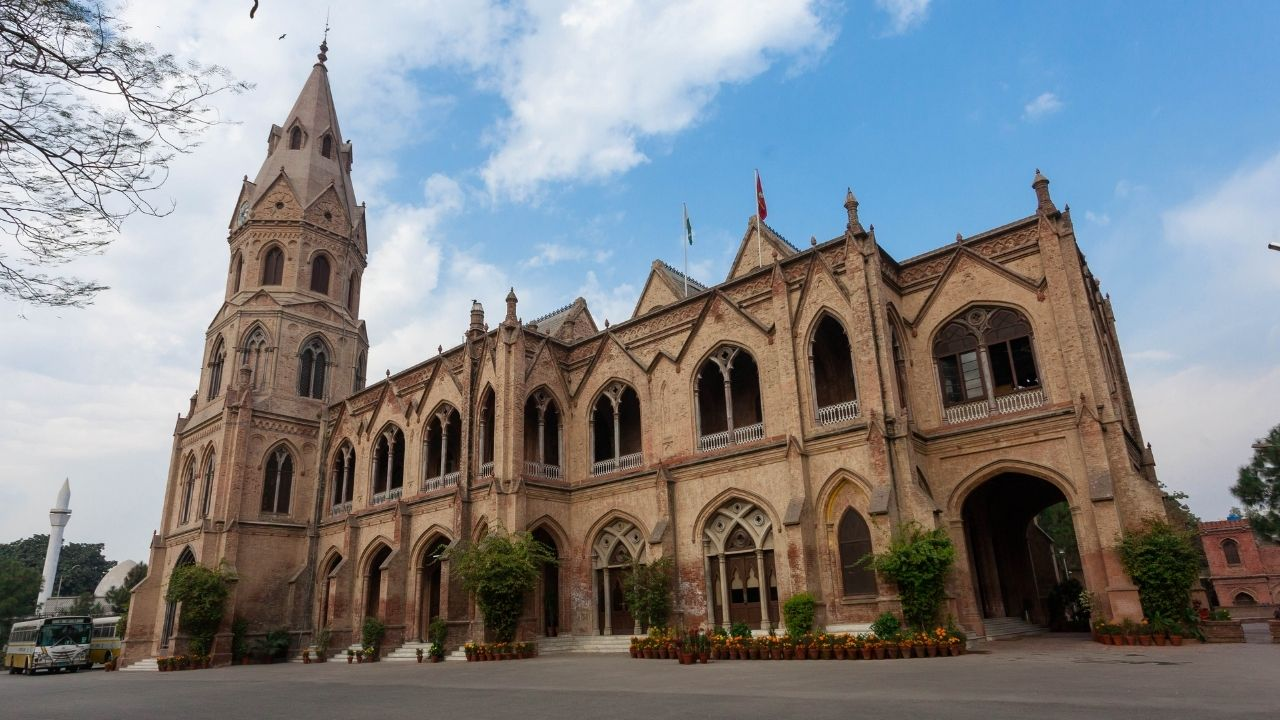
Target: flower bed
(1143, 633)
(483, 652)
(184, 662)
(666, 645)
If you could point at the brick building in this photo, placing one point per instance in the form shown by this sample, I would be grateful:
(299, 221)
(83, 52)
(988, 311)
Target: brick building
(1244, 571)
(765, 432)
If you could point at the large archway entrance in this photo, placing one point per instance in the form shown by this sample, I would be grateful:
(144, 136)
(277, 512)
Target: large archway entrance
(328, 587)
(170, 607)
(373, 583)
(738, 561)
(1015, 560)
(430, 579)
(549, 610)
(617, 547)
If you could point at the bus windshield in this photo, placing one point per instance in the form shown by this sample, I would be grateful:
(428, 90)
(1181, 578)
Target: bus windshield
(68, 634)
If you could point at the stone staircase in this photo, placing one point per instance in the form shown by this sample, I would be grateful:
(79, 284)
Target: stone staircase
(145, 665)
(408, 652)
(584, 644)
(1009, 627)
(341, 654)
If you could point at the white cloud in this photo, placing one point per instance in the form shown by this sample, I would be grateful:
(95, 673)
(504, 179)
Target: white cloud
(608, 302)
(1153, 356)
(904, 14)
(1102, 219)
(1044, 105)
(588, 81)
(554, 253)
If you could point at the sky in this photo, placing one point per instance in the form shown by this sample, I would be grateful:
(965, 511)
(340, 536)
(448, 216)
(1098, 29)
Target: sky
(548, 146)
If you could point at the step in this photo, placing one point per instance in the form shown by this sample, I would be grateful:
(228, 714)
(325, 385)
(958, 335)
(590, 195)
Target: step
(144, 665)
(1009, 627)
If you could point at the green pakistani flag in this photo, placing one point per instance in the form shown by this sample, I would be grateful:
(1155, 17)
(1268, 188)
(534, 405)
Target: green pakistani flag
(688, 228)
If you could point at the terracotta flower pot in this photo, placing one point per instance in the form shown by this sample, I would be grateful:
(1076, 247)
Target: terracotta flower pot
(1144, 640)
(1159, 639)
(1175, 640)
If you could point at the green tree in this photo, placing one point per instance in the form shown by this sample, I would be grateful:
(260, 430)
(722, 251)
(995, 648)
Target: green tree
(90, 119)
(918, 561)
(647, 592)
(19, 586)
(1258, 486)
(500, 569)
(80, 565)
(1161, 558)
(118, 596)
(203, 593)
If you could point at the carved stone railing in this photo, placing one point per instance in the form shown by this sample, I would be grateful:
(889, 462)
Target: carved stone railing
(388, 496)
(542, 470)
(486, 469)
(1004, 404)
(737, 436)
(340, 508)
(626, 462)
(439, 481)
(837, 413)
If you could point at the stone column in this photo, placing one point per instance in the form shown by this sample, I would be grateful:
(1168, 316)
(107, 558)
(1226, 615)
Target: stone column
(608, 605)
(724, 593)
(765, 623)
(706, 575)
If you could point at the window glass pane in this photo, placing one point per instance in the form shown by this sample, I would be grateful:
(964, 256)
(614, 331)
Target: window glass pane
(1001, 369)
(972, 375)
(949, 374)
(1024, 363)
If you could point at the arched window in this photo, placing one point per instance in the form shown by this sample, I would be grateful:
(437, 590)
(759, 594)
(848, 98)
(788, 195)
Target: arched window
(542, 436)
(311, 369)
(986, 364)
(237, 269)
(278, 482)
(743, 584)
(295, 138)
(216, 360)
(1231, 551)
(207, 499)
(273, 267)
(353, 287)
(326, 145)
(188, 490)
(831, 371)
(855, 544)
(899, 366)
(1244, 598)
(443, 449)
(727, 396)
(486, 430)
(357, 382)
(320, 275)
(253, 355)
(388, 465)
(343, 478)
(615, 430)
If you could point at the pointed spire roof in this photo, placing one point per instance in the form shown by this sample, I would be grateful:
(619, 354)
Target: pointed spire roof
(309, 171)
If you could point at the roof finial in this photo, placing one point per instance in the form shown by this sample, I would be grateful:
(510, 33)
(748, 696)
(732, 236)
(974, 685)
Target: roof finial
(324, 42)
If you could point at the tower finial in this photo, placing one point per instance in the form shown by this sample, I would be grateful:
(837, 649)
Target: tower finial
(324, 42)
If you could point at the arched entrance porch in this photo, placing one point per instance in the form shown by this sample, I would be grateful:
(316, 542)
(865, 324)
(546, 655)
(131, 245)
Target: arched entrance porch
(548, 609)
(1014, 559)
(431, 578)
(742, 586)
(375, 579)
(618, 546)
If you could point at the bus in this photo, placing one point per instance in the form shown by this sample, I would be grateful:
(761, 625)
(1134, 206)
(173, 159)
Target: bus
(50, 643)
(106, 643)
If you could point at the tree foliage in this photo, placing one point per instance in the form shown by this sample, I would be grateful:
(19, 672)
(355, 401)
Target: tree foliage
(500, 569)
(647, 591)
(80, 565)
(90, 119)
(19, 586)
(918, 561)
(203, 593)
(798, 613)
(1161, 558)
(118, 596)
(1258, 486)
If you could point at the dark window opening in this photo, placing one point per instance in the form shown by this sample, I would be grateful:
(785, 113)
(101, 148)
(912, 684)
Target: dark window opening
(207, 499)
(217, 359)
(278, 483)
(239, 270)
(273, 267)
(444, 442)
(855, 544)
(295, 138)
(832, 358)
(320, 275)
(1231, 551)
(344, 474)
(311, 370)
(541, 429)
(388, 461)
(326, 146)
(486, 427)
(616, 423)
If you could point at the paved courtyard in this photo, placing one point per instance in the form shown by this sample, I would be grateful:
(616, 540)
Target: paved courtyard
(1047, 677)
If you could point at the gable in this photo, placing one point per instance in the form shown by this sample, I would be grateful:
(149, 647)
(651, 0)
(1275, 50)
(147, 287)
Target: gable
(758, 250)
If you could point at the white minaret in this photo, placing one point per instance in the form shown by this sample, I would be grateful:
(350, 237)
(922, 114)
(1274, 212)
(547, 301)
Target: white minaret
(59, 515)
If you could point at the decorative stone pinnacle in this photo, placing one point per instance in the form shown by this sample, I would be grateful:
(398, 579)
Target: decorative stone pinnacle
(323, 55)
(851, 206)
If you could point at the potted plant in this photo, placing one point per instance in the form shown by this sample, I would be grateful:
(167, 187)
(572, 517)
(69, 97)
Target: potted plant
(321, 644)
(1220, 628)
(351, 655)
(438, 634)
(306, 657)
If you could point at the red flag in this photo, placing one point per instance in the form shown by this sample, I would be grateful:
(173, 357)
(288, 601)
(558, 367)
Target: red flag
(761, 210)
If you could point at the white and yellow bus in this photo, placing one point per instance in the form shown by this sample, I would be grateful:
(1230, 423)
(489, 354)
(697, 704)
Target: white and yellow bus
(106, 643)
(51, 643)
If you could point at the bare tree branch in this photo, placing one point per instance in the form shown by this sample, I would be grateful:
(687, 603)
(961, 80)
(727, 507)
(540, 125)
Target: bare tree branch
(89, 121)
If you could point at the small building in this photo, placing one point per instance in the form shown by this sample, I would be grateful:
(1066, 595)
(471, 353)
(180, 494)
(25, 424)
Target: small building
(1244, 570)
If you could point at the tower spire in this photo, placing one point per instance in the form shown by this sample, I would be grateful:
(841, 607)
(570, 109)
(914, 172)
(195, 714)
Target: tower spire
(324, 42)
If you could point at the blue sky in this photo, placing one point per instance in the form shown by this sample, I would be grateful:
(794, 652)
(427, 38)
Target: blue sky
(550, 147)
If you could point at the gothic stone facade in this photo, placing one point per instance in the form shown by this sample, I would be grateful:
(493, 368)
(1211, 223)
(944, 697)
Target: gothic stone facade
(764, 432)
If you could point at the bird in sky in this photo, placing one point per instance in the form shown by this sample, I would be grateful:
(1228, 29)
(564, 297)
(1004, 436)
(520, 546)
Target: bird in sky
(282, 36)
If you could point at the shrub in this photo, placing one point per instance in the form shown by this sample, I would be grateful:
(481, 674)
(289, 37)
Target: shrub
(239, 645)
(1163, 563)
(918, 561)
(438, 634)
(647, 591)
(886, 626)
(322, 641)
(797, 613)
(740, 630)
(277, 643)
(500, 569)
(371, 633)
(203, 593)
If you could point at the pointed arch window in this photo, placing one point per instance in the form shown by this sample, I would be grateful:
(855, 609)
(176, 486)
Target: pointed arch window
(326, 145)
(1243, 598)
(835, 393)
(311, 369)
(542, 436)
(295, 138)
(216, 360)
(727, 396)
(320, 274)
(273, 267)
(388, 465)
(343, 478)
(237, 270)
(899, 366)
(353, 288)
(357, 382)
(615, 430)
(188, 490)
(1231, 551)
(278, 482)
(253, 355)
(443, 449)
(986, 364)
(486, 432)
(207, 498)
(855, 544)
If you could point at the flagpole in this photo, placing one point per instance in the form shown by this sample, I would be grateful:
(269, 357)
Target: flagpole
(759, 237)
(684, 243)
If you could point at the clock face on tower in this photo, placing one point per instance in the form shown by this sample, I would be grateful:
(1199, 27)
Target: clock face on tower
(243, 217)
